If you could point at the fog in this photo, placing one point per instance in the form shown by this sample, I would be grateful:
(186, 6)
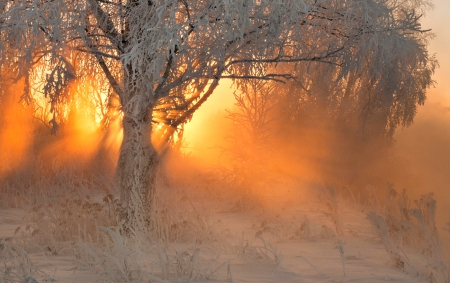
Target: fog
(317, 152)
(36, 164)
(291, 158)
(418, 161)
(232, 184)
(321, 153)
(425, 148)
(426, 144)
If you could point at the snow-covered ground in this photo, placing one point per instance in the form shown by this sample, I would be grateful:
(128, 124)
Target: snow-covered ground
(307, 238)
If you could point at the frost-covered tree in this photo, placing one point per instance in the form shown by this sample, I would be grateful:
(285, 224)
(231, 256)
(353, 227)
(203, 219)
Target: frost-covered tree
(372, 100)
(164, 58)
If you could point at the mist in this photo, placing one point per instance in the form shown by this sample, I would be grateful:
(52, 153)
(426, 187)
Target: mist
(315, 151)
(37, 165)
(425, 151)
(425, 146)
(224, 141)
(324, 153)
(321, 152)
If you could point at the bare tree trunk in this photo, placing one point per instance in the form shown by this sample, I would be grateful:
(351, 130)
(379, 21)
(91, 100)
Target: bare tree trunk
(136, 175)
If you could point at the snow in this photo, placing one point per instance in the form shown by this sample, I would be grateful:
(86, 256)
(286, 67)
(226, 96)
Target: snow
(254, 245)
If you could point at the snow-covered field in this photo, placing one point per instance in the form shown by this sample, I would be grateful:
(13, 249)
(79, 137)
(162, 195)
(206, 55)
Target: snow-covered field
(313, 236)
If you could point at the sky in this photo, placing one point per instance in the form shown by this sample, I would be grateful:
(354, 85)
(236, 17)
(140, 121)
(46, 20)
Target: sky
(437, 20)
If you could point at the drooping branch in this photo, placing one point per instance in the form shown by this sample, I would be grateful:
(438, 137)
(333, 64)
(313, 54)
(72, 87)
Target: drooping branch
(106, 25)
(172, 127)
(186, 115)
(96, 52)
(289, 59)
(109, 76)
(280, 78)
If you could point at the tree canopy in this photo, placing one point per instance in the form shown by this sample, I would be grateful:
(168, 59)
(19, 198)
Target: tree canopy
(150, 50)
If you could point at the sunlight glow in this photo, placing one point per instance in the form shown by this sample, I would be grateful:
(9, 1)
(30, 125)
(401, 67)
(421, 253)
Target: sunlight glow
(199, 134)
(17, 130)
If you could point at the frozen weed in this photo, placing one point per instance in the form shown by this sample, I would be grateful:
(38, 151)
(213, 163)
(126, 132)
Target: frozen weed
(397, 256)
(414, 228)
(332, 204)
(285, 226)
(72, 219)
(45, 177)
(327, 232)
(329, 197)
(117, 257)
(364, 200)
(85, 228)
(178, 220)
(188, 264)
(340, 248)
(283, 229)
(256, 253)
(310, 264)
(18, 267)
(124, 259)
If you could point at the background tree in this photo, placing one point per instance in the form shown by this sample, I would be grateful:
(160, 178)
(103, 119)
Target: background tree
(164, 58)
(250, 142)
(353, 116)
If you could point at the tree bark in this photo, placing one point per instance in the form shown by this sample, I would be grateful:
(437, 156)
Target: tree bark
(136, 175)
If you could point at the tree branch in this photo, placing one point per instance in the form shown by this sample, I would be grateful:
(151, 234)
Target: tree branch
(285, 59)
(106, 25)
(185, 116)
(104, 67)
(95, 51)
